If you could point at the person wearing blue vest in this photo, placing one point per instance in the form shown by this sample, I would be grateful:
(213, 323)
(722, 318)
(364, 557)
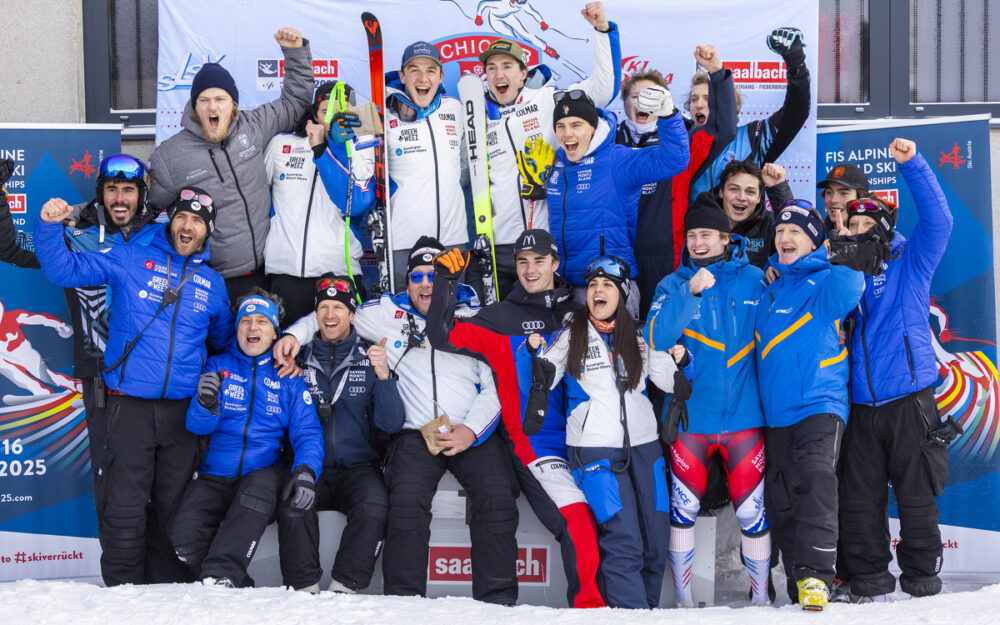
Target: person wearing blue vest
(248, 415)
(709, 305)
(895, 431)
(167, 303)
(593, 191)
(802, 371)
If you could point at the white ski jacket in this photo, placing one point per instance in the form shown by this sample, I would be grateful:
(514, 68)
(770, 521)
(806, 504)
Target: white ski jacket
(306, 238)
(431, 382)
(596, 420)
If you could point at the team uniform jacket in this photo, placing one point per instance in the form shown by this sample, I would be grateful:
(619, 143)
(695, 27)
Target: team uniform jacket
(428, 169)
(717, 327)
(594, 202)
(168, 358)
(891, 347)
(496, 335)
(257, 411)
(764, 140)
(596, 421)
(801, 363)
(233, 171)
(659, 237)
(530, 116)
(359, 402)
(89, 306)
(309, 196)
(431, 382)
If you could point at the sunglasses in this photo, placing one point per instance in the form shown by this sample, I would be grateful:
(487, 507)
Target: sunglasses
(609, 267)
(416, 277)
(122, 167)
(572, 94)
(338, 284)
(800, 203)
(188, 194)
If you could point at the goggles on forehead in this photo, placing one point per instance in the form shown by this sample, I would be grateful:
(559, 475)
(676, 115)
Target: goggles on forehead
(203, 199)
(609, 267)
(868, 205)
(800, 203)
(572, 94)
(338, 284)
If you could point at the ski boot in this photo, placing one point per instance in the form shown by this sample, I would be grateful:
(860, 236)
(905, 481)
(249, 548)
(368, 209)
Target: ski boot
(813, 594)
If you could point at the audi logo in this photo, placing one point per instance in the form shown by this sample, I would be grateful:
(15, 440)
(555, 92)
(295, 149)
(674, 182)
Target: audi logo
(532, 325)
(356, 390)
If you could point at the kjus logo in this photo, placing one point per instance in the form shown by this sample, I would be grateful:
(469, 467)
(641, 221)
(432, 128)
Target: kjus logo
(186, 70)
(887, 195)
(271, 72)
(758, 72)
(635, 64)
(18, 202)
(452, 564)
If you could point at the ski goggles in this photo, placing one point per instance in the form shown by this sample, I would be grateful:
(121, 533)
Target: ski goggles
(572, 94)
(201, 198)
(416, 277)
(122, 167)
(338, 289)
(805, 204)
(869, 205)
(339, 284)
(610, 267)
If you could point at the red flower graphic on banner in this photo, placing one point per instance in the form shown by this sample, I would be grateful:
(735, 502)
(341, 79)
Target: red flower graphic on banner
(951, 157)
(83, 165)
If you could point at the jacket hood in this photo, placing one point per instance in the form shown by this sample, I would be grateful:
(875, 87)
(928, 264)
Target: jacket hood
(396, 90)
(604, 135)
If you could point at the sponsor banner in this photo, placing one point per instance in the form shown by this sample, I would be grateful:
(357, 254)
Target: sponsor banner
(964, 550)
(239, 35)
(452, 564)
(47, 523)
(962, 310)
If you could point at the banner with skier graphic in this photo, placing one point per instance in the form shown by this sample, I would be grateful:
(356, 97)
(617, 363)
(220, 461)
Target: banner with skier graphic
(653, 35)
(962, 312)
(47, 523)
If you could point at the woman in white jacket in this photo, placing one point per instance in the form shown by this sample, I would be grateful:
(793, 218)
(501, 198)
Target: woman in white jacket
(611, 431)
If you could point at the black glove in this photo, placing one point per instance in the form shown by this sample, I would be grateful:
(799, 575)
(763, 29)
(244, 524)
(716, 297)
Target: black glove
(861, 252)
(542, 374)
(303, 484)
(208, 390)
(785, 40)
(945, 433)
(677, 410)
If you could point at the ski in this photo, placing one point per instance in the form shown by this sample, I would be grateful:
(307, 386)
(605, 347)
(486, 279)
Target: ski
(470, 92)
(379, 221)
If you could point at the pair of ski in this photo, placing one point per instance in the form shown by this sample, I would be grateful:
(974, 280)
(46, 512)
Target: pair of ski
(470, 90)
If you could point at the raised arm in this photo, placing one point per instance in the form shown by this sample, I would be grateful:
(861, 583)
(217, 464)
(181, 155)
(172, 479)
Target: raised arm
(929, 239)
(67, 268)
(296, 91)
(606, 78)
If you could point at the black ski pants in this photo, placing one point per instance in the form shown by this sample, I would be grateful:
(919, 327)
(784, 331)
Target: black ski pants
(883, 443)
(361, 495)
(484, 471)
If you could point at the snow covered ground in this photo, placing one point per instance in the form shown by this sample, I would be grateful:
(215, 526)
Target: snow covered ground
(30, 602)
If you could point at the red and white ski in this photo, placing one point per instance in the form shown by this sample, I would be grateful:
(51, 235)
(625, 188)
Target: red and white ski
(379, 221)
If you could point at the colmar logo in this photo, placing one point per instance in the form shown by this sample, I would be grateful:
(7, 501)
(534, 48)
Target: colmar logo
(18, 202)
(452, 564)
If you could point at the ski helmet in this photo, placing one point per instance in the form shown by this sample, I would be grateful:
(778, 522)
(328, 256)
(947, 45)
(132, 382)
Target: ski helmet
(126, 168)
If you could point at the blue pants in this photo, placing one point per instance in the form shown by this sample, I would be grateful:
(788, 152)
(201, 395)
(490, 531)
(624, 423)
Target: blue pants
(633, 543)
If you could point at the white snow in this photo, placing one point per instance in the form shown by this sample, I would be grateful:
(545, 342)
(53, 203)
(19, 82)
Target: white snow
(30, 602)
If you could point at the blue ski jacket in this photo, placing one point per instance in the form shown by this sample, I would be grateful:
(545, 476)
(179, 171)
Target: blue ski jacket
(593, 203)
(717, 327)
(257, 412)
(166, 360)
(892, 353)
(801, 363)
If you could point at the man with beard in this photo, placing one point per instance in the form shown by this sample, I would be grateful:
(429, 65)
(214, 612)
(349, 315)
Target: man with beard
(167, 303)
(221, 150)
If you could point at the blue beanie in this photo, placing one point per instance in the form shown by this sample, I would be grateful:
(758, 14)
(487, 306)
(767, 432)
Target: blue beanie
(258, 305)
(213, 75)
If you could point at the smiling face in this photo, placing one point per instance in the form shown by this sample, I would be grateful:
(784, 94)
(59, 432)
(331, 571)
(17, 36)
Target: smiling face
(861, 224)
(835, 199)
(421, 77)
(504, 77)
(698, 104)
(536, 272)
(574, 135)
(706, 242)
(792, 243)
(254, 334)
(420, 292)
(334, 320)
(188, 233)
(120, 199)
(215, 111)
(602, 298)
(740, 195)
(634, 90)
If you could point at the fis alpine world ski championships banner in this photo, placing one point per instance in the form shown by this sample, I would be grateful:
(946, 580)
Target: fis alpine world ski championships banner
(654, 35)
(48, 527)
(961, 311)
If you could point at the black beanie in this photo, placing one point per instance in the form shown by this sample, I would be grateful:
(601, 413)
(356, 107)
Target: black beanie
(706, 212)
(337, 288)
(213, 75)
(205, 210)
(423, 252)
(581, 107)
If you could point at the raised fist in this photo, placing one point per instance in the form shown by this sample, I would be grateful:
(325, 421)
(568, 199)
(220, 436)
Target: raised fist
(783, 40)
(55, 210)
(288, 38)
(708, 57)
(655, 100)
(902, 150)
(773, 174)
